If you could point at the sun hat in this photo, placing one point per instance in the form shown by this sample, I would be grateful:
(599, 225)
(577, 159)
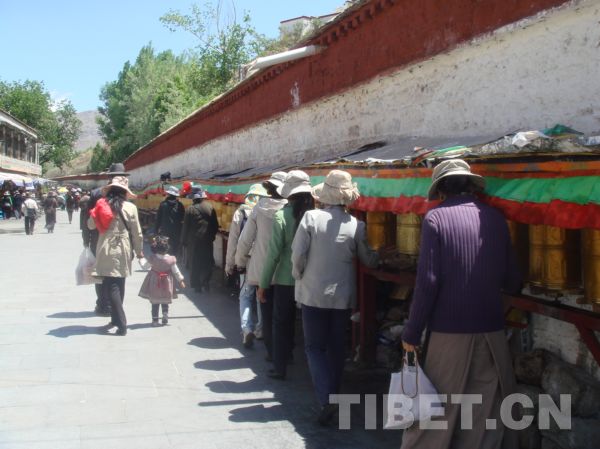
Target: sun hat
(277, 178)
(451, 167)
(257, 189)
(338, 189)
(172, 190)
(296, 182)
(120, 182)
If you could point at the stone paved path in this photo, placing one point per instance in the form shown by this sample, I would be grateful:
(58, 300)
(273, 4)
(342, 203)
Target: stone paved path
(65, 385)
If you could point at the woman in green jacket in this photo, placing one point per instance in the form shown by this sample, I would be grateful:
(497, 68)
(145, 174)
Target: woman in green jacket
(277, 270)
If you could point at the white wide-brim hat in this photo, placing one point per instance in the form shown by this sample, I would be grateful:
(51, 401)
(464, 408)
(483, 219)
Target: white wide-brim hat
(296, 182)
(122, 183)
(338, 189)
(452, 167)
(277, 178)
(172, 190)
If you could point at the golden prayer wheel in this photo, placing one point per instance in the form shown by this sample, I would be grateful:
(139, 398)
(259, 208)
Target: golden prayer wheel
(591, 264)
(519, 235)
(554, 259)
(218, 207)
(408, 233)
(377, 229)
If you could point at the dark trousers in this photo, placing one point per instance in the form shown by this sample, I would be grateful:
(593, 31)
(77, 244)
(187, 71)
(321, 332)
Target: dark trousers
(29, 225)
(284, 325)
(266, 310)
(324, 343)
(70, 214)
(114, 290)
(102, 301)
(165, 310)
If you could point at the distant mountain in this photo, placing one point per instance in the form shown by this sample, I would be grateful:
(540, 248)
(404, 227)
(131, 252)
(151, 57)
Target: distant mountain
(89, 131)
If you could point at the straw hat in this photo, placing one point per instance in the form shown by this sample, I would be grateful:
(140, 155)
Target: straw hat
(257, 189)
(120, 182)
(338, 189)
(452, 167)
(296, 182)
(172, 190)
(277, 178)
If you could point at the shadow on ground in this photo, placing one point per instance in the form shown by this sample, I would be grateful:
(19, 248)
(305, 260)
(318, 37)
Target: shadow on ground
(294, 399)
(83, 314)
(70, 331)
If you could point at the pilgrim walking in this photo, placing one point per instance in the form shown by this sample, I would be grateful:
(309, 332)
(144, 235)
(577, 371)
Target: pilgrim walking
(50, 204)
(120, 235)
(169, 219)
(200, 228)
(466, 261)
(325, 245)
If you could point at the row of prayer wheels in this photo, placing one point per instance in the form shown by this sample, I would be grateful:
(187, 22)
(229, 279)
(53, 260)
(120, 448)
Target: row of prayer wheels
(402, 231)
(224, 213)
(555, 259)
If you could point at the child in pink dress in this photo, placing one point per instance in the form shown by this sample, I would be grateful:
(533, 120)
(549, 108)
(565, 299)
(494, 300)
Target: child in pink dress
(158, 287)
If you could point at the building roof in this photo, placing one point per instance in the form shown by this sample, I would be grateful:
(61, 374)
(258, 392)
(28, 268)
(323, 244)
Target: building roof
(14, 122)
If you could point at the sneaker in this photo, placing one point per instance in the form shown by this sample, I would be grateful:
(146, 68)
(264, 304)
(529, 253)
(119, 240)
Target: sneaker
(165, 319)
(122, 331)
(155, 322)
(258, 334)
(248, 339)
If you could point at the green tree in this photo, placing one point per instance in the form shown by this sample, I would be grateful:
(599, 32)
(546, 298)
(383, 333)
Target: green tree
(101, 158)
(159, 90)
(56, 123)
(224, 44)
(147, 98)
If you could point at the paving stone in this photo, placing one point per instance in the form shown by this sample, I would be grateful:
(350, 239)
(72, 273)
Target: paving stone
(64, 384)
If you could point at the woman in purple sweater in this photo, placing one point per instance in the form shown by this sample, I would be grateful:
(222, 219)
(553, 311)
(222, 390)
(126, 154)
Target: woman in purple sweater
(466, 261)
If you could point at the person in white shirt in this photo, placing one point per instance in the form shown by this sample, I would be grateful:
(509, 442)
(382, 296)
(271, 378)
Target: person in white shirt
(30, 210)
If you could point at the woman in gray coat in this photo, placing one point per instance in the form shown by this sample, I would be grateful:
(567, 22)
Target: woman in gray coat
(323, 252)
(120, 236)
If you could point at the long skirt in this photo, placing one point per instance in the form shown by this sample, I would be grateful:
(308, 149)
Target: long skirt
(468, 364)
(202, 263)
(50, 219)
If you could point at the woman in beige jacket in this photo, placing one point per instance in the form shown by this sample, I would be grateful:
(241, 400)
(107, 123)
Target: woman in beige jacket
(117, 222)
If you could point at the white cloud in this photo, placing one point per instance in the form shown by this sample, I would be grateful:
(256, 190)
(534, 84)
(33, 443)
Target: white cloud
(58, 97)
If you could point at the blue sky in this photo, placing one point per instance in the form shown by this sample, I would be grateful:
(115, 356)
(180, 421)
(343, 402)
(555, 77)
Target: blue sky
(76, 46)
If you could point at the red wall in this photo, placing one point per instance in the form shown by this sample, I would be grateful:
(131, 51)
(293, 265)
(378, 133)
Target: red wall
(379, 36)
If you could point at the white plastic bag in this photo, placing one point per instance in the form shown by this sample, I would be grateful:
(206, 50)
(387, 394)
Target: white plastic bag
(85, 266)
(412, 397)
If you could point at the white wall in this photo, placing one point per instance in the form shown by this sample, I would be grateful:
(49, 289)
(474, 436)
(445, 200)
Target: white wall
(533, 74)
(538, 72)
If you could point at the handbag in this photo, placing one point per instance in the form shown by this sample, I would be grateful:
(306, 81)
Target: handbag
(412, 397)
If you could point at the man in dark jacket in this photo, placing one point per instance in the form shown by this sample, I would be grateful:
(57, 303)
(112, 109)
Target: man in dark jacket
(90, 238)
(169, 219)
(200, 227)
(70, 204)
